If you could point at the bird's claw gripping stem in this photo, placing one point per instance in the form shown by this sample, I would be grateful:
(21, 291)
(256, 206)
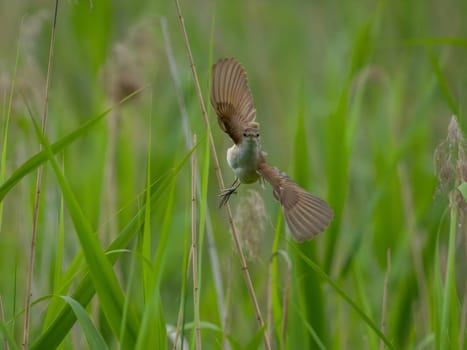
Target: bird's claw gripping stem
(227, 192)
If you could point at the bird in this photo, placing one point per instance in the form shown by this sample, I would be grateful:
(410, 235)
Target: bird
(306, 215)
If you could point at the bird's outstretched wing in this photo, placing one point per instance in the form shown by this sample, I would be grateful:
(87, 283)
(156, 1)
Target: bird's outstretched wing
(231, 98)
(305, 214)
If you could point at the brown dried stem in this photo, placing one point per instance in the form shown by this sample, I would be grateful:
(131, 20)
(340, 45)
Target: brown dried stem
(214, 263)
(220, 180)
(32, 250)
(194, 248)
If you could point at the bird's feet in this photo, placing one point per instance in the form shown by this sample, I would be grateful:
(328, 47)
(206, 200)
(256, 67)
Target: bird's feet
(227, 192)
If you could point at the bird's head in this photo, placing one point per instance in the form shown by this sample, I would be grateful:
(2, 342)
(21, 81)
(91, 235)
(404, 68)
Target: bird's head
(251, 134)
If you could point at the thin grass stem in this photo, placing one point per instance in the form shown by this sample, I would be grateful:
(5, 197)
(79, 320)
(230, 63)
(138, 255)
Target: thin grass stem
(2, 318)
(181, 311)
(194, 248)
(215, 264)
(385, 296)
(220, 180)
(32, 249)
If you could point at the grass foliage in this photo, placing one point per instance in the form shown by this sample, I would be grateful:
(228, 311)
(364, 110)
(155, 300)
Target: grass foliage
(355, 103)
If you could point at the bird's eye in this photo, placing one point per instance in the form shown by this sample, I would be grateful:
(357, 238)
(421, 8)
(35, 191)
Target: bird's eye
(244, 134)
(257, 135)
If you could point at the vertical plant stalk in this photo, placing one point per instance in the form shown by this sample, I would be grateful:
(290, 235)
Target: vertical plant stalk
(415, 245)
(194, 248)
(214, 264)
(180, 316)
(269, 321)
(285, 297)
(244, 267)
(450, 163)
(109, 201)
(228, 298)
(6, 111)
(2, 318)
(449, 282)
(385, 297)
(463, 319)
(32, 250)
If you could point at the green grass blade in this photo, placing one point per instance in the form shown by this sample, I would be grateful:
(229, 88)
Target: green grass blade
(318, 343)
(57, 272)
(5, 335)
(6, 127)
(449, 327)
(185, 273)
(338, 151)
(256, 340)
(146, 241)
(84, 291)
(39, 158)
(463, 190)
(309, 288)
(363, 300)
(443, 84)
(349, 301)
(104, 279)
(436, 307)
(94, 338)
(276, 300)
(153, 330)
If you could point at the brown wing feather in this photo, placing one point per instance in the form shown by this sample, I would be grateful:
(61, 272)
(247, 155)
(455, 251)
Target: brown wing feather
(305, 214)
(231, 98)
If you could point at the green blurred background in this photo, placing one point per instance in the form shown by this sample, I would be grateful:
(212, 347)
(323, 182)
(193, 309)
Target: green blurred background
(353, 99)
